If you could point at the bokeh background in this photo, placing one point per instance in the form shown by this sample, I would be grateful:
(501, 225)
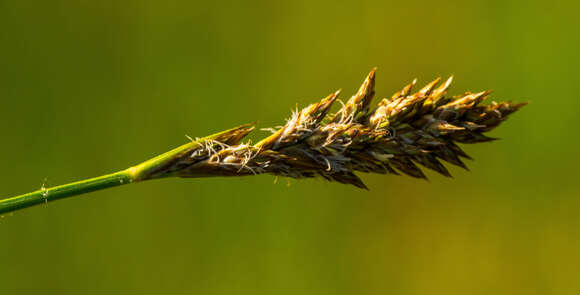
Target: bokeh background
(90, 87)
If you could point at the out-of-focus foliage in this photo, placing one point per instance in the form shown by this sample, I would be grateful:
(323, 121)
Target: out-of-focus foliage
(89, 87)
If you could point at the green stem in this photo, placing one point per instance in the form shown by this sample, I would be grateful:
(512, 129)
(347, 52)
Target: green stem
(156, 167)
(45, 195)
(137, 173)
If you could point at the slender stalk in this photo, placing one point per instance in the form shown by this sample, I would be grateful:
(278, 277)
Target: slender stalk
(152, 168)
(139, 172)
(45, 195)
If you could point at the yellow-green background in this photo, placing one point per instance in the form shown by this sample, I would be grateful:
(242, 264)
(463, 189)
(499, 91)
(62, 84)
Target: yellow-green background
(89, 87)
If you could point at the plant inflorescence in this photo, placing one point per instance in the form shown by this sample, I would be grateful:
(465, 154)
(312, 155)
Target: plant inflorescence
(396, 136)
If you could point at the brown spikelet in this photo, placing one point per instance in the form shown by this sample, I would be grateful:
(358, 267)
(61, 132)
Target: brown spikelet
(400, 134)
(357, 107)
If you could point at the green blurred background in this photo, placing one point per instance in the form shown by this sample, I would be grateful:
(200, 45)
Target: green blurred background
(90, 87)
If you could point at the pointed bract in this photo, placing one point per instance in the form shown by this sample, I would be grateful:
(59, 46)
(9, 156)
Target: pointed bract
(357, 107)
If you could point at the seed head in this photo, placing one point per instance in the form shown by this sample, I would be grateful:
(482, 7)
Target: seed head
(397, 136)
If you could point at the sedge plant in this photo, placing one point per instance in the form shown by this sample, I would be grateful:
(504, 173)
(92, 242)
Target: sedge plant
(396, 136)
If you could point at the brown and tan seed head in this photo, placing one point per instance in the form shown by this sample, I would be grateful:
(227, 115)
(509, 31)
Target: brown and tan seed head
(400, 134)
